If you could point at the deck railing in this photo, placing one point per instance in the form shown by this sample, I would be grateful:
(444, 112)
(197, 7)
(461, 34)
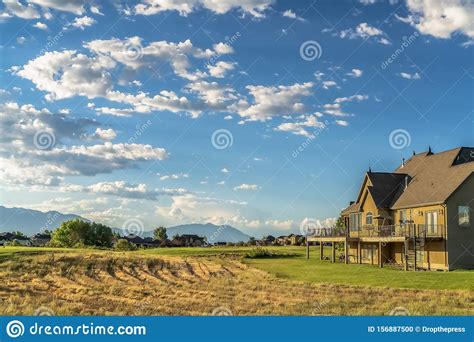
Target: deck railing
(402, 230)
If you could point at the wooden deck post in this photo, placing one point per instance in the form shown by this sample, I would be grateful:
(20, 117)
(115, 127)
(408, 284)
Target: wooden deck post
(346, 256)
(380, 255)
(333, 251)
(321, 250)
(359, 253)
(307, 249)
(405, 254)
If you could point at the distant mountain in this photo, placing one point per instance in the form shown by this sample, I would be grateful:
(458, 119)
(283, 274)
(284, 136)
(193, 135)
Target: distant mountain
(29, 221)
(212, 232)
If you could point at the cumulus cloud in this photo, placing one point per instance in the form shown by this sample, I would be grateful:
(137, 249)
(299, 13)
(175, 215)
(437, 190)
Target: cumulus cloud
(256, 8)
(83, 22)
(355, 73)
(33, 147)
(213, 93)
(174, 176)
(302, 126)
(41, 26)
(441, 18)
(273, 101)
(365, 31)
(220, 69)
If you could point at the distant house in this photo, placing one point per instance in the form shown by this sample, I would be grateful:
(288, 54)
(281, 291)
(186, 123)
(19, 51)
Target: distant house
(7, 238)
(282, 240)
(147, 242)
(40, 239)
(295, 239)
(188, 240)
(220, 243)
(267, 240)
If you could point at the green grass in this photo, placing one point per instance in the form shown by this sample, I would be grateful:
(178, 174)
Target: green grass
(315, 270)
(296, 267)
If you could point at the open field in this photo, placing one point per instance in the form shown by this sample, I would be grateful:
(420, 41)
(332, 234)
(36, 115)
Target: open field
(196, 281)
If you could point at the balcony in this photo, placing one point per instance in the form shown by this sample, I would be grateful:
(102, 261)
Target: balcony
(327, 232)
(403, 230)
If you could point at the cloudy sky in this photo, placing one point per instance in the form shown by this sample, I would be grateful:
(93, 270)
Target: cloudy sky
(254, 113)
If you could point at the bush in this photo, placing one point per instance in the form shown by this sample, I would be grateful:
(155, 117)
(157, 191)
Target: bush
(124, 245)
(259, 252)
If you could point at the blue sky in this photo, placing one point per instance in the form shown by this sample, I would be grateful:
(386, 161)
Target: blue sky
(257, 115)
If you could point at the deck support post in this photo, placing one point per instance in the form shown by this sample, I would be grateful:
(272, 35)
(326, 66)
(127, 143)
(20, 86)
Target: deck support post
(346, 254)
(380, 255)
(321, 250)
(307, 248)
(333, 251)
(359, 253)
(405, 254)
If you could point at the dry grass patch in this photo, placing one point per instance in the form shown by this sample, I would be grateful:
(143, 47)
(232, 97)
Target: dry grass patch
(111, 283)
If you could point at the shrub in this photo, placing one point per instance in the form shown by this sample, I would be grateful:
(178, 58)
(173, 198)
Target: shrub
(124, 245)
(78, 233)
(259, 252)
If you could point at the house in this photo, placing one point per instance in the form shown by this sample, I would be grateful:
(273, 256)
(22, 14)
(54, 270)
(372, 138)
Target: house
(282, 240)
(419, 216)
(147, 242)
(294, 239)
(8, 238)
(188, 240)
(267, 240)
(40, 239)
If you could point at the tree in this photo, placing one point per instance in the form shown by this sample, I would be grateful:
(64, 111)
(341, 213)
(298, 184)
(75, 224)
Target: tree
(160, 233)
(124, 245)
(76, 233)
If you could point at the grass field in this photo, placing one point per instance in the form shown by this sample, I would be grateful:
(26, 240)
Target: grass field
(198, 281)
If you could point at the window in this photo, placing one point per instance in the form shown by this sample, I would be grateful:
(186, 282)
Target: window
(368, 218)
(368, 252)
(403, 216)
(431, 222)
(463, 216)
(354, 221)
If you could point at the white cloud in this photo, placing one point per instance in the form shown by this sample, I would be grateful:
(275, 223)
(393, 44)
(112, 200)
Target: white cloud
(96, 10)
(365, 31)
(301, 127)
(334, 109)
(224, 170)
(292, 15)
(83, 22)
(441, 18)
(329, 84)
(213, 93)
(355, 73)
(21, 40)
(220, 69)
(342, 123)
(273, 101)
(408, 76)
(356, 97)
(41, 26)
(244, 186)
(174, 176)
(16, 8)
(255, 8)
(105, 134)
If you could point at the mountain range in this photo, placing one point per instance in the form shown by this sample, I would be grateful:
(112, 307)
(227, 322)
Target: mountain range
(30, 221)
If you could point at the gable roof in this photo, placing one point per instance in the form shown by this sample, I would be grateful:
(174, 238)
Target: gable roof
(434, 177)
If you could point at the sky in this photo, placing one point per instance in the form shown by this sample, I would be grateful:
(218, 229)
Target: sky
(260, 114)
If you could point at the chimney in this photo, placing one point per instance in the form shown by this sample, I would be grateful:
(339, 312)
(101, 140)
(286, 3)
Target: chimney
(351, 202)
(430, 152)
(406, 182)
(403, 162)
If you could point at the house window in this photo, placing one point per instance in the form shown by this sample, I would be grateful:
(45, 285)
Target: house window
(431, 222)
(368, 218)
(354, 221)
(403, 216)
(368, 252)
(463, 216)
